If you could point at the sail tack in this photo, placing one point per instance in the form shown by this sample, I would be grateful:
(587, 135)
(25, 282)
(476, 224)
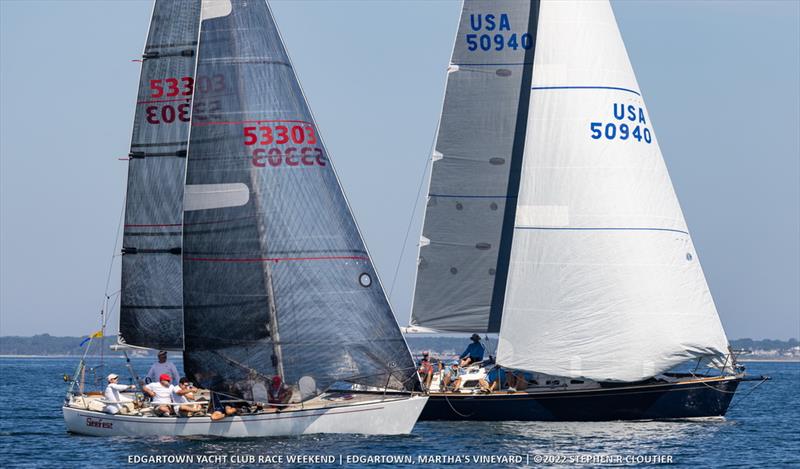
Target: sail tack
(468, 228)
(151, 313)
(277, 278)
(604, 281)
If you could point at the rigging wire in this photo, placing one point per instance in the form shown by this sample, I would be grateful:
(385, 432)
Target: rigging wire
(410, 222)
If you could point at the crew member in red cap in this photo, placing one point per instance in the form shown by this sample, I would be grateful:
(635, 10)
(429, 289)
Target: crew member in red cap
(161, 395)
(278, 393)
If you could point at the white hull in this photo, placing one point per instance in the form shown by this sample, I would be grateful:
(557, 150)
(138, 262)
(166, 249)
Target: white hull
(392, 416)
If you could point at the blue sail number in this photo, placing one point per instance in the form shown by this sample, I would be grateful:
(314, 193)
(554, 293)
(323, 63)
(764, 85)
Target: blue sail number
(634, 129)
(497, 33)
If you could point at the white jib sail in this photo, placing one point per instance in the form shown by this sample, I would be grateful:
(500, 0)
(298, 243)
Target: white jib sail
(604, 281)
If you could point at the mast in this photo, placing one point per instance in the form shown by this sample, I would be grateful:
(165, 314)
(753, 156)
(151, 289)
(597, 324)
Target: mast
(273, 313)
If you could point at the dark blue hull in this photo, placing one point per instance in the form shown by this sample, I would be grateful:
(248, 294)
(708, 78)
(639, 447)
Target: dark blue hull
(688, 398)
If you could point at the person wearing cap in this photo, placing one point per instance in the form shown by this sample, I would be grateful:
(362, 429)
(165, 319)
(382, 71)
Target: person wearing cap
(162, 366)
(425, 369)
(474, 352)
(160, 394)
(278, 393)
(114, 400)
(451, 375)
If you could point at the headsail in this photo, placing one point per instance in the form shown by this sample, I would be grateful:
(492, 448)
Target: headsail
(151, 313)
(604, 280)
(466, 237)
(277, 278)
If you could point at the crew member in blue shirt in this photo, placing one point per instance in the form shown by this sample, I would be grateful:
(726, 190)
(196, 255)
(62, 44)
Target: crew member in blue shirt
(474, 352)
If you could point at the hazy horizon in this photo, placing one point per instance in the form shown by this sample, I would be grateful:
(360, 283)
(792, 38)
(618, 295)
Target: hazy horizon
(721, 81)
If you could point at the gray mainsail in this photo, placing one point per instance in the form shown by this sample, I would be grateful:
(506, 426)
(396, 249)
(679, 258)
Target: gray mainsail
(277, 280)
(151, 313)
(469, 219)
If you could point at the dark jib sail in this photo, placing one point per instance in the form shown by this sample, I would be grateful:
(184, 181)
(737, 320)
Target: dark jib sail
(469, 220)
(277, 279)
(151, 313)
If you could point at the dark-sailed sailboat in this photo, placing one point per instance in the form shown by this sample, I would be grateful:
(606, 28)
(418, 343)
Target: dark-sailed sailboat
(239, 247)
(551, 220)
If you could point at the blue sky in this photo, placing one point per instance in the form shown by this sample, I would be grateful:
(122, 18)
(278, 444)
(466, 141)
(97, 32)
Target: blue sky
(721, 81)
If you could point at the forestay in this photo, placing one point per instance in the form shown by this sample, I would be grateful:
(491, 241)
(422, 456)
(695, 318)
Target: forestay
(466, 236)
(277, 278)
(151, 313)
(604, 281)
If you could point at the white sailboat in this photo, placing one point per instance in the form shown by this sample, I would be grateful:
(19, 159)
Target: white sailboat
(239, 247)
(551, 220)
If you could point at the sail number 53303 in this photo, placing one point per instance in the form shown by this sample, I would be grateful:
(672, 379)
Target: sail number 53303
(289, 145)
(279, 135)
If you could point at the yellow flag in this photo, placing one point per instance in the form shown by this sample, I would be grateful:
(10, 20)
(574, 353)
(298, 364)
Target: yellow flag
(97, 335)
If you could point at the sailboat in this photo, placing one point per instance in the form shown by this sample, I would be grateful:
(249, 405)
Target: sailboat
(240, 249)
(551, 221)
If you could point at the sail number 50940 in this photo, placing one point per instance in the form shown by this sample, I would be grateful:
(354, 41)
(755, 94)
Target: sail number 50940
(611, 131)
(634, 129)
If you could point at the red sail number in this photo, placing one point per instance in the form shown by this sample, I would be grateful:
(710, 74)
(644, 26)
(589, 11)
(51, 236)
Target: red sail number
(168, 113)
(171, 87)
(280, 135)
(291, 156)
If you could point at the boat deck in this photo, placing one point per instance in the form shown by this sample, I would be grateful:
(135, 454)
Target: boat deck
(94, 402)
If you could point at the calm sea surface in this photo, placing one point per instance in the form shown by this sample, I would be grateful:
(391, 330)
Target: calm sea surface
(763, 430)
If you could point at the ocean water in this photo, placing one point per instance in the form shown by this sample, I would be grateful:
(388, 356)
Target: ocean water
(761, 430)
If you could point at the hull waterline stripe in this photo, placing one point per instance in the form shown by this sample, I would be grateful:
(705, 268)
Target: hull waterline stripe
(561, 228)
(586, 88)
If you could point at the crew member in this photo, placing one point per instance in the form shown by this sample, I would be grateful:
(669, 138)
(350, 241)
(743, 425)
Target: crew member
(425, 369)
(162, 366)
(183, 394)
(474, 352)
(114, 400)
(161, 395)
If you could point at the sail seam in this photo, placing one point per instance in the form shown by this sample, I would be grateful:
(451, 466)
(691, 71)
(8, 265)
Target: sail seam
(474, 196)
(275, 259)
(621, 228)
(201, 124)
(617, 88)
(491, 65)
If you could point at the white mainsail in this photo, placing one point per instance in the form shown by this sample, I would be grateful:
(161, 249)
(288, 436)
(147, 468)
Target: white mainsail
(604, 281)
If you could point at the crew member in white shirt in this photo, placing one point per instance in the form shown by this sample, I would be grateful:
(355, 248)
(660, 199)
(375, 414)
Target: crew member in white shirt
(112, 396)
(183, 394)
(161, 395)
(162, 366)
